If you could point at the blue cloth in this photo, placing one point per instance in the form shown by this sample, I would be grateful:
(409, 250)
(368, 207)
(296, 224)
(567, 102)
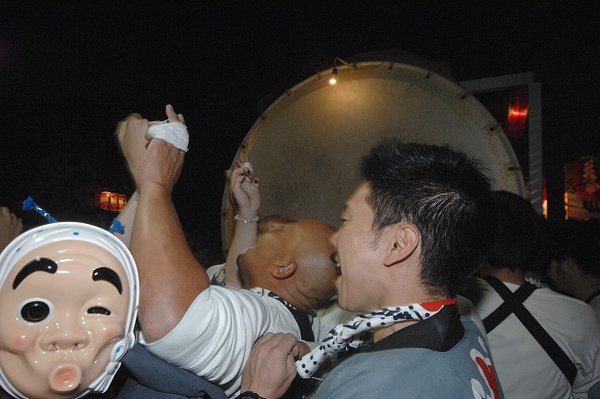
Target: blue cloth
(415, 371)
(155, 378)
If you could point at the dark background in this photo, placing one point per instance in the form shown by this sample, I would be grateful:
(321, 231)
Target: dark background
(69, 71)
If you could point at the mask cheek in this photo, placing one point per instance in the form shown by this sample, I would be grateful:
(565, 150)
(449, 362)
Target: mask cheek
(107, 329)
(112, 332)
(21, 343)
(16, 343)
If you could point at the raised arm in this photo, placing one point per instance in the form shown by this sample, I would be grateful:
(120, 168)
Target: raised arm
(133, 147)
(245, 191)
(126, 219)
(170, 276)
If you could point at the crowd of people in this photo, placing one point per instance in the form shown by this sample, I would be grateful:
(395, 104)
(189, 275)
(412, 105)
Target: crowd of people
(444, 287)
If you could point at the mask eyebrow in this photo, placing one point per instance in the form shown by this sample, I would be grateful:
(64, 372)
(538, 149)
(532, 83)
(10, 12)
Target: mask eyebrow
(109, 275)
(37, 265)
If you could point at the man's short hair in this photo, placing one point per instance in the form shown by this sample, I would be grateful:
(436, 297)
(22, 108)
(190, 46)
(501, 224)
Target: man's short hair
(445, 194)
(580, 241)
(518, 232)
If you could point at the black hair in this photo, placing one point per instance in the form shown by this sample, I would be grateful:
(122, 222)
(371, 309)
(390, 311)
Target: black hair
(580, 241)
(445, 194)
(518, 233)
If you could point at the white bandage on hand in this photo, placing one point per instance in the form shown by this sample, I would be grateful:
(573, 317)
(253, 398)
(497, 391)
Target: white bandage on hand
(248, 165)
(174, 133)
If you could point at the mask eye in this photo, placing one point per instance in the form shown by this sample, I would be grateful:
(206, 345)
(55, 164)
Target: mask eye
(35, 310)
(99, 310)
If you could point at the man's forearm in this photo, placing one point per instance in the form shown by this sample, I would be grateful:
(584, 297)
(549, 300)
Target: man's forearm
(244, 237)
(170, 276)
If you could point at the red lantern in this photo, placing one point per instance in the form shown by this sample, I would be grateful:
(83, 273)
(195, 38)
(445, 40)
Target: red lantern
(110, 201)
(114, 204)
(517, 114)
(105, 200)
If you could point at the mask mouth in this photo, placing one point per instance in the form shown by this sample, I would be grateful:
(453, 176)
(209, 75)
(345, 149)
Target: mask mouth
(65, 378)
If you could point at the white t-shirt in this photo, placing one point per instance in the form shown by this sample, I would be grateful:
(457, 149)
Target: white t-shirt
(595, 303)
(215, 336)
(325, 320)
(524, 369)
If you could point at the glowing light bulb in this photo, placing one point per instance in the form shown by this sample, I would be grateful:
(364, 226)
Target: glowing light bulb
(333, 78)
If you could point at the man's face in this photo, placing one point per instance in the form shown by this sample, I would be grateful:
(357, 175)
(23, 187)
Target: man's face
(316, 260)
(358, 255)
(305, 242)
(63, 307)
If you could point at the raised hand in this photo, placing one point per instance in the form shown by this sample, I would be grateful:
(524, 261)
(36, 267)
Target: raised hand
(162, 162)
(244, 187)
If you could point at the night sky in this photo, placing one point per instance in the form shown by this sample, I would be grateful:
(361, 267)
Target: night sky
(68, 73)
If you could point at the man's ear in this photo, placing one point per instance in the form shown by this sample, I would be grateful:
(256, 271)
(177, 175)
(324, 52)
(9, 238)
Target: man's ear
(403, 242)
(283, 270)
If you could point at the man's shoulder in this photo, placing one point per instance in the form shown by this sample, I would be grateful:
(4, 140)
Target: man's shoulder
(405, 369)
(551, 307)
(546, 305)
(410, 370)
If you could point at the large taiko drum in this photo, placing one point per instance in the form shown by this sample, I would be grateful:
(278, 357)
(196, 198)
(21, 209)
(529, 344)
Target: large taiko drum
(306, 147)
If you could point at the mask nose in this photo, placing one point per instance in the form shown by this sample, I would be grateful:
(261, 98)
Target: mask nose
(67, 334)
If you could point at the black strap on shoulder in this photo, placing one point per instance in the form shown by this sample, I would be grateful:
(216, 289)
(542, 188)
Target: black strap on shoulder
(303, 319)
(304, 322)
(513, 303)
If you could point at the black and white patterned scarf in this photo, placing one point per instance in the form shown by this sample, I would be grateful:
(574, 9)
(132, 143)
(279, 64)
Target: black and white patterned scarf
(357, 332)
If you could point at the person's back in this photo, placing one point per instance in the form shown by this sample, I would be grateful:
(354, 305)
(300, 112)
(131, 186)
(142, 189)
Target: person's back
(524, 369)
(527, 354)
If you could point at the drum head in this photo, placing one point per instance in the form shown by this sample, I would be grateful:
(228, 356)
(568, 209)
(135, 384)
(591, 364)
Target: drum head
(306, 147)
